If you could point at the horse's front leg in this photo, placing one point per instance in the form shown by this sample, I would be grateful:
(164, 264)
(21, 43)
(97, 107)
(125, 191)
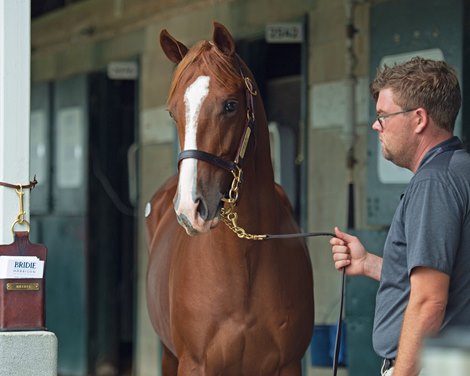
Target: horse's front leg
(169, 363)
(188, 367)
(292, 369)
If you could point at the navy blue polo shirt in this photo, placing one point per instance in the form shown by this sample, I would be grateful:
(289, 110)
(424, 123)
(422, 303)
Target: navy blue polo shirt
(430, 228)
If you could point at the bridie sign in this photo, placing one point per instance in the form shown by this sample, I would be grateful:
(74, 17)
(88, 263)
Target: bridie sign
(17, 267)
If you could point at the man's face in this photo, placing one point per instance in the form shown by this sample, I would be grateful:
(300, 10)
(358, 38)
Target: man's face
(394, 130)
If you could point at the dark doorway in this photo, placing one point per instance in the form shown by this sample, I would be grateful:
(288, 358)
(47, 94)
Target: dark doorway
(278, 73)
(111, 225)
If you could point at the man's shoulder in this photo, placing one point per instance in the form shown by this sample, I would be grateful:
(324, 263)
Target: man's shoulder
(445, 166)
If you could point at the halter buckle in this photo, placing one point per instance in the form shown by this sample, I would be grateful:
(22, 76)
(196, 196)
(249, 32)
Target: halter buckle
(249, 86)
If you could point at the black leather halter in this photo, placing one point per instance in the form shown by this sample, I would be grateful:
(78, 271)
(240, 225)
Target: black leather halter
(230, 166)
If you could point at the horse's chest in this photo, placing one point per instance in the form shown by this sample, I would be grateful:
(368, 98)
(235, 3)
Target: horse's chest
(250, 342)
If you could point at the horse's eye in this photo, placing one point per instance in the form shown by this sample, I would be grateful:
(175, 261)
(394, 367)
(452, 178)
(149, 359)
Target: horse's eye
(230, 106)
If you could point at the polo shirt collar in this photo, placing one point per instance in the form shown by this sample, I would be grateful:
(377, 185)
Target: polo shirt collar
(450, 144)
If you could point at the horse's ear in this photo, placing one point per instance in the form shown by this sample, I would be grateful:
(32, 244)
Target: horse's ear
(174, 50)
(223, 40)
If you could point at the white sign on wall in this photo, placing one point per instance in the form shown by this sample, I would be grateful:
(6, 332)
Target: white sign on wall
(284, 33)
(123, 70)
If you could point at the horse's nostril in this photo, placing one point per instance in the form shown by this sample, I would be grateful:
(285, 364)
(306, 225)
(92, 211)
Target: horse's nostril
(202, 209)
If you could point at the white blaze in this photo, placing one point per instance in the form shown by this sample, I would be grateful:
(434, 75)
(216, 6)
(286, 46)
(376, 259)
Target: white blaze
(193, 99)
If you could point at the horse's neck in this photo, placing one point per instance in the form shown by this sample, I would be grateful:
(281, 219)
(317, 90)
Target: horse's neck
(258, 203)
(258, 194)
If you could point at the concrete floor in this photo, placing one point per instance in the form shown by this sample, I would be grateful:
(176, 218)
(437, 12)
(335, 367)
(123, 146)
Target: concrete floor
(323, 371)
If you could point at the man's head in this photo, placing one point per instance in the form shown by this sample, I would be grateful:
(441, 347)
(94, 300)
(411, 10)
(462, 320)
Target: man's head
(429, 84)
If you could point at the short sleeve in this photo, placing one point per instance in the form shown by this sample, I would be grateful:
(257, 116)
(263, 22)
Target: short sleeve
(432, 225)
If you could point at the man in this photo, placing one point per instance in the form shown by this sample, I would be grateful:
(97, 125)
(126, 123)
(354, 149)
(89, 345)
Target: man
(425, 270)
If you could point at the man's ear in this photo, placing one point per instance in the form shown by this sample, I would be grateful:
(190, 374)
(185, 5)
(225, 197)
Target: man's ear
(422, 119)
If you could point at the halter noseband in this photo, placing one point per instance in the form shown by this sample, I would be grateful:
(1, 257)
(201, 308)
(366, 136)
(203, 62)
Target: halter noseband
(231, 166)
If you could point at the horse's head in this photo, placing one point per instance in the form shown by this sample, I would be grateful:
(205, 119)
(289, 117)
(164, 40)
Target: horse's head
(208, 101)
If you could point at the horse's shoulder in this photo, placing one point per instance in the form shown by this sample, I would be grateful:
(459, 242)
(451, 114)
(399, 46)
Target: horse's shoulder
(160, 203)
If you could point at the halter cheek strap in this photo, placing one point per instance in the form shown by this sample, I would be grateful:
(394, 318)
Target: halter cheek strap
(250, 118)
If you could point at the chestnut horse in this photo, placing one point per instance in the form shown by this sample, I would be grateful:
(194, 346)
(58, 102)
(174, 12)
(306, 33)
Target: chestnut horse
(224, 304)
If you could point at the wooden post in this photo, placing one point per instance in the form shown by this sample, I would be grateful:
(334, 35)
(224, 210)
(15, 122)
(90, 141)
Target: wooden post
(15, 57)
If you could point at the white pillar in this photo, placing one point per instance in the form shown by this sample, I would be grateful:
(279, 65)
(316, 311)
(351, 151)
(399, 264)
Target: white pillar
(21, 353)
(15, 56)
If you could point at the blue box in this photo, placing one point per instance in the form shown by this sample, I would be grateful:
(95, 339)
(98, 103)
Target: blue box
(322, 346)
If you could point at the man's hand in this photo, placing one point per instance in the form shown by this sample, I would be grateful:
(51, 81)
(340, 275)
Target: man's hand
(349, 253)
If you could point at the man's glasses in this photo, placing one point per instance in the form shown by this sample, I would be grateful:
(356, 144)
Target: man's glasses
(380, 118)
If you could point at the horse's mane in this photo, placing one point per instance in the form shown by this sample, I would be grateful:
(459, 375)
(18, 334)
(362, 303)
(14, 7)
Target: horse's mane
(219, 65)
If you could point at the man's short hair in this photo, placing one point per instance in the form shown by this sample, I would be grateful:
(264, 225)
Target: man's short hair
(432, 85)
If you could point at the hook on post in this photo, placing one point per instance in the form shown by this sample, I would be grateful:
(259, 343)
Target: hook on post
(20, 217)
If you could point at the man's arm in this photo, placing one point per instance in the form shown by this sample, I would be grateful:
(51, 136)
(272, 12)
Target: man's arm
(423, 317)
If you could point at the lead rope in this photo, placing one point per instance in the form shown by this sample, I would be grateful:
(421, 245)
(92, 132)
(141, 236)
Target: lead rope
(229, 217)
(339, 325)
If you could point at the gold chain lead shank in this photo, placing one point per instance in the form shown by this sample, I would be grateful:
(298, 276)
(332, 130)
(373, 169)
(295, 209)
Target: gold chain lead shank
(229, 217)
(228, 214)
